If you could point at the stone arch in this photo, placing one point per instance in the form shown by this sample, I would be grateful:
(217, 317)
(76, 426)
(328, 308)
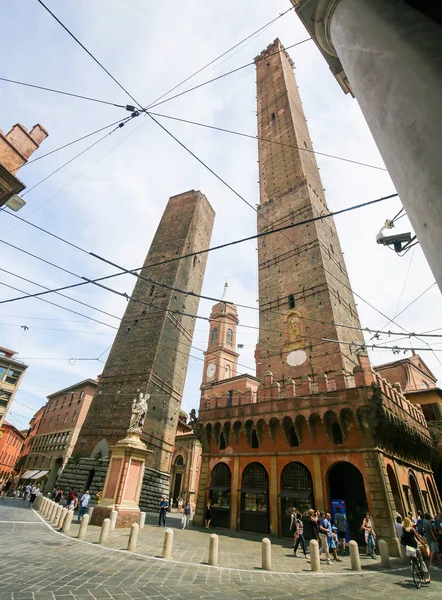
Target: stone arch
(260, 429)
(415, 492)
(237, 425)
(216, 432)
(273, 425)
(101, 450)
(248, 428)
(346, 482)
(314, 423)
(433, 496)
(226, 431)
(346, 420)
(398, 504)
(287, 423)
(299, 424)
(208, 433)
(255, 498)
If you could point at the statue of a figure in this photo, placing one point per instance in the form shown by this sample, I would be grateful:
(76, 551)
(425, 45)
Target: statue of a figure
(139, 412)
(192, 417)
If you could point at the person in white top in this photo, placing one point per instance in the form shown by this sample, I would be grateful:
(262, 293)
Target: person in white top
(84, 503)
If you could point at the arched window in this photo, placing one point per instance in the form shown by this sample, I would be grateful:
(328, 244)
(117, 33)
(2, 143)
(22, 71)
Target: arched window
(227, 371)
(254, 440)
(179, 461)
(222, 442)
(229, 336)
(336, 433)
(214, 335)
(293, 439)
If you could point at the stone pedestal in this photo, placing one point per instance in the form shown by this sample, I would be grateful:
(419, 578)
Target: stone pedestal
(124, 478)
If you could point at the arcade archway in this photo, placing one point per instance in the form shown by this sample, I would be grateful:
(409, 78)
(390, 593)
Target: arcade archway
(255, 499)
(415, 494)
(219, 495)
(296, 491)
(346, 483)
(398, 504)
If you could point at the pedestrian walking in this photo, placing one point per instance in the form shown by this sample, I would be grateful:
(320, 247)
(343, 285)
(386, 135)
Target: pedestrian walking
(35, 491)
(341, 527)
(411, 538)
(208, 516)
(84, 503)
(369, 534)
(333, 542)
(27, 492)
(186, 516)
(398, 526)
(58, 495)
(429, 529)
(324, 527)
(299, 537)
(54, 492)
(180, 504)
(164, 505)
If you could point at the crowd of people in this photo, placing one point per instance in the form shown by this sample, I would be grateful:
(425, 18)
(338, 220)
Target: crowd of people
(423, 536)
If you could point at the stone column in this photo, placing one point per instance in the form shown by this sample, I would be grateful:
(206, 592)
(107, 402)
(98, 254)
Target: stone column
(122, 488)
(317, 482)
(273, 495)
(235, 496)
(392, 57)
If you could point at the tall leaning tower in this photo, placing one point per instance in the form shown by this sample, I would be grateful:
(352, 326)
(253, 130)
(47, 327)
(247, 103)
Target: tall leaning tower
(303, 283)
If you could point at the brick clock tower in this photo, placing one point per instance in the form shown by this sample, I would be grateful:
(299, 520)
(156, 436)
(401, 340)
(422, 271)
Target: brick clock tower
(221, 358)
(150, 352)
(320, 429)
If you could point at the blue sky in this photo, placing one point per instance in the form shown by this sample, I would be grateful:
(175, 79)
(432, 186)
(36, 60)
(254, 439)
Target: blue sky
(110, 200)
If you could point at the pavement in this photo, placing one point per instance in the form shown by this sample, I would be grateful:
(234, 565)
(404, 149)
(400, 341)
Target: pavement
(39, 563)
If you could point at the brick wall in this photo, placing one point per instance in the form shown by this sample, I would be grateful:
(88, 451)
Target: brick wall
(18, 144)
(305, 263)
(151, 348)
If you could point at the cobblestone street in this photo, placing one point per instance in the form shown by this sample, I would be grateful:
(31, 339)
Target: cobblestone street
(40, 563)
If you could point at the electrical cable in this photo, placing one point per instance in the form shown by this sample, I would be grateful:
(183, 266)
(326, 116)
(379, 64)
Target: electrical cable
(122, 123)
(261, 139)
(47, 89)
(87, 51)
(191, 254)
(221, 55)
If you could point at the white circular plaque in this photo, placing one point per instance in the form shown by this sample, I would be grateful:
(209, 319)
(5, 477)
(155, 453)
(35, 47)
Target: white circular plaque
(296, 358)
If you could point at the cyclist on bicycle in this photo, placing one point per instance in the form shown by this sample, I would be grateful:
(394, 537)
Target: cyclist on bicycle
(410, 537)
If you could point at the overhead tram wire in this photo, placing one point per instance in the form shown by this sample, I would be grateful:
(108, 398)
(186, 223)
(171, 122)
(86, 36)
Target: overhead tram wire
(88, 52)
(197, 253)
(62, 92)
(261, 139)
(121, 124)
(221, 56)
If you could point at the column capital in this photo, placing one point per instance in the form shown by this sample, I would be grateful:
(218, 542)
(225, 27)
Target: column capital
(316, 16)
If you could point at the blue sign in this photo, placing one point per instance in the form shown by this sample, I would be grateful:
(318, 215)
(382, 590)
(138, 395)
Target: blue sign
(343, 510)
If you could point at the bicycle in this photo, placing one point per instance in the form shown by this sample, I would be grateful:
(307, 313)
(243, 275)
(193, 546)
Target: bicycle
(416, 569)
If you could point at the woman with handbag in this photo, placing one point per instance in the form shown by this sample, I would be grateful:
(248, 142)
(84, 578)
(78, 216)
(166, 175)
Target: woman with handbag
(369, 534)
(410, 538)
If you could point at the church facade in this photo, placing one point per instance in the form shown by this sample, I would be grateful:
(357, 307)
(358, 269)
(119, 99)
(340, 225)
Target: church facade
(316, 427)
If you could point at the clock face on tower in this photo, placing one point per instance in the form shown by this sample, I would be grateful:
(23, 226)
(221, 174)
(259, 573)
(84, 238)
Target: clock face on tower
(211, 370)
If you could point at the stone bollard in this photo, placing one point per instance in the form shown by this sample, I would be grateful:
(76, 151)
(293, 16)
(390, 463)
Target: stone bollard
(37, 502)
(133, 537)
(90, 510)
(113, 519)
(142, 519)
(42, 504)
(266, 548)
(104, 534)
(354, 556)
(83, 527)
(61, 519)
(57, 515)
(213, 550)
(168, 539)
(67, 521)
(47, 507)
(52, 512)
(314, 556)
(385, 556)
(51, 506)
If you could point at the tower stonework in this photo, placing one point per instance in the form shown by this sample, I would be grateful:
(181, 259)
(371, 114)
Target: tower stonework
(303, 283)
(151, 349)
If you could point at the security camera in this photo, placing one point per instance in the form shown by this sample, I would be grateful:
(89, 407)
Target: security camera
(397, 241)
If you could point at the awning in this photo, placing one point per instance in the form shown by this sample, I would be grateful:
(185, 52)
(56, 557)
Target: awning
(219, 488)
(253, 490)
(298, 494)
(39, 474)
(29, 474)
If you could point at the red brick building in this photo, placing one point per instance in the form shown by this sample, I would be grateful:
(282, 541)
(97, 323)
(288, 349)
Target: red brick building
(320, 424)
(16, 147)
(34, 424)
(186, 464)
(57, 430)
(11, 443)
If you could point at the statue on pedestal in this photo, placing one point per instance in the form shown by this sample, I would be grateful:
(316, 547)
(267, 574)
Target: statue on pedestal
(139, 412)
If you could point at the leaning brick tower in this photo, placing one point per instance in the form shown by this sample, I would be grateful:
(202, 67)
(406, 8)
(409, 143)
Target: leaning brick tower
(303, 283)
(151, 350)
